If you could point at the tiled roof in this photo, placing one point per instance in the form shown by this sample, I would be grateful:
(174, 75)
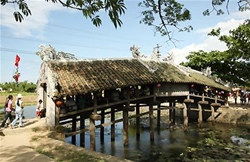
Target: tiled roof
(92, 75)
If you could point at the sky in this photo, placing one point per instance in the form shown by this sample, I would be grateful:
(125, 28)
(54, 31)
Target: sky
(68, 31)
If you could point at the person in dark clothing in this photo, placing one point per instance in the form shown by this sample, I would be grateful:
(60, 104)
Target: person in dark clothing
(8, 109)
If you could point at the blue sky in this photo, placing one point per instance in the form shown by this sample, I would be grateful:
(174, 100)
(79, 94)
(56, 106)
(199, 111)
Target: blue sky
(68, 31)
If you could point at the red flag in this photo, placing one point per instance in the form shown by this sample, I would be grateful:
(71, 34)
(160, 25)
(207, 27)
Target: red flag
(17, 60)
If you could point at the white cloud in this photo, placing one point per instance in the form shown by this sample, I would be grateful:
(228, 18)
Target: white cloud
(210, 43)
(36, 22)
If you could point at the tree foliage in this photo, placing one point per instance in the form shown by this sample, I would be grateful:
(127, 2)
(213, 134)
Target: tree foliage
(161, 14)
(232, 65)
(21, 87)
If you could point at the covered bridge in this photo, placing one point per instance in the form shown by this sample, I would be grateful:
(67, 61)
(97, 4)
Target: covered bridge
(62, 78)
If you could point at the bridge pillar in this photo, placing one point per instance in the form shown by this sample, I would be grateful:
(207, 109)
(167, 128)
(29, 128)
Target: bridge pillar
(151, 122)
(159, 115)
(213, 106)
(92, 129)
(82, 135)
(125, 128)
(138, 121)
(185, 112)
(113, 125)
(200, 118)
(102, 128)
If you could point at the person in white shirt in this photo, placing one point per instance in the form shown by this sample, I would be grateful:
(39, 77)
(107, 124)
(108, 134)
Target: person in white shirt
(19, 112)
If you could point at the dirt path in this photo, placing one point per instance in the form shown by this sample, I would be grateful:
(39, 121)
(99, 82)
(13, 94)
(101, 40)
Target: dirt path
(15, 144)
(33, 142)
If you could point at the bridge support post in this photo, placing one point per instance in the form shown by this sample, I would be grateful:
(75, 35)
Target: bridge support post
(125, 128)
(159, 115)
(200, 118)
(185, 112)
(82, 135)
(151, 122)
(113, 125)
(92, 129)
(214, 106)
(73, 129)
(92, 134)
(185, 117)
(138, 121)
(171, 114)
(102, 128)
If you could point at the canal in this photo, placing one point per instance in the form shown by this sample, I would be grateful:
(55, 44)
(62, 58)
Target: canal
(169, 145)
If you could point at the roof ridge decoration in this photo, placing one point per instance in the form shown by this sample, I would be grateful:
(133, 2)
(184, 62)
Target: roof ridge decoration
(48, 53)
(152, 62)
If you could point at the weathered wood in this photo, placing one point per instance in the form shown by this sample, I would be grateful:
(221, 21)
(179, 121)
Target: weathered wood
(185, 117)
(73, 138)
(188, 101)
(95, 117)
(108, 105)
(193, 109)
(200, 119)
(125, 128)
(82, 135)
(215, 104)
(57, 119)
(125, 120)
(203, 102)
(95, 103)
(151, 122)
(212, 115)
(158, 115)
(92, 134)
(171, 114)
(102, 128)
(112, 125)
(224, 107)
(174, 115)
(129, 108)
(170, 118)
(138, 122)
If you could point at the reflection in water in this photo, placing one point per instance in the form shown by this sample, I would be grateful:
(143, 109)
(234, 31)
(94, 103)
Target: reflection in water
(168, 144)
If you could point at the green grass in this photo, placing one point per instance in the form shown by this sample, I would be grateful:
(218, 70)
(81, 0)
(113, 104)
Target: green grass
(16, 93)
(29, 98)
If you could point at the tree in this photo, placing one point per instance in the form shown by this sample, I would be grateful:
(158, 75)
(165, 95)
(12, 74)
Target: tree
(21, 87)
(232, 65)
(161, 14)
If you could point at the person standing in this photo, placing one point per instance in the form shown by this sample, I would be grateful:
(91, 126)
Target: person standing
(19, 112)
(39, 109)
(8, 109)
